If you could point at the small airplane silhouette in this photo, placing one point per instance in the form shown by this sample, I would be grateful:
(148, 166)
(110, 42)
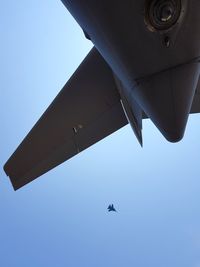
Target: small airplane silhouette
(111, 208)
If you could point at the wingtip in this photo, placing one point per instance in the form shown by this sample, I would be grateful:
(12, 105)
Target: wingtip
(12, 180)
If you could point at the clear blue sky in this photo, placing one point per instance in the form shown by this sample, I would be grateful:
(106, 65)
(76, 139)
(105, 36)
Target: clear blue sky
(61, 219)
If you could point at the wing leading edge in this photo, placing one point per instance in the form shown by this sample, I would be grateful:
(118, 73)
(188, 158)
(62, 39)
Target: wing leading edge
(86, 110)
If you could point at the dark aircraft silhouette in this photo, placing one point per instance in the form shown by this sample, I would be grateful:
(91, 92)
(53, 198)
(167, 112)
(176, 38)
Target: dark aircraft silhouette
(144, 64)
(111, 208)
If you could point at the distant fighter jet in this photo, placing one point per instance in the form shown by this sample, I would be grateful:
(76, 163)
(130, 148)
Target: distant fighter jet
(111, 208)
(145, 63)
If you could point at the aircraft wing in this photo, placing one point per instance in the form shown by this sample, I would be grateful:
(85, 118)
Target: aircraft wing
(86, 110)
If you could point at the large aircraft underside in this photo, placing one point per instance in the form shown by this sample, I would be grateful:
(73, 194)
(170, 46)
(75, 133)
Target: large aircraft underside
(144, 64)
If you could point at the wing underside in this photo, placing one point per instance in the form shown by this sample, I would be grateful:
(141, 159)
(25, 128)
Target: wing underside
(86, 110)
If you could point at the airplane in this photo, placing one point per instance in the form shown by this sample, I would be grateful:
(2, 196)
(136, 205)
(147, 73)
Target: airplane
(111, 208)
(144, 64)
